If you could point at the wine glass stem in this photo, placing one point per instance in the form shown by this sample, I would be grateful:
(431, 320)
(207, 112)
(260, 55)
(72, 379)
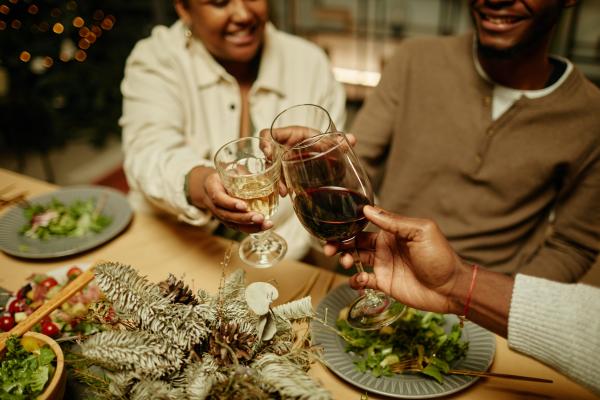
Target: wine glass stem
(372, 298)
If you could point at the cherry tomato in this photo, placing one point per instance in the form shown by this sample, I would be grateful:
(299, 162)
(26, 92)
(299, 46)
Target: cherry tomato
(73, 273)
(50, 329)
(48, 283)
(6, 322)
(17, 305)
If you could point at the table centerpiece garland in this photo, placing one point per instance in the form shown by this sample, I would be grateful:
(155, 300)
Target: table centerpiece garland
(162, 341)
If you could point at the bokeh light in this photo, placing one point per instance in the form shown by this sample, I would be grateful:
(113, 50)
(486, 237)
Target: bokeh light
(48, 62)
(78, 22)
(25, 56)
(84, 44)
(58, 28)
(80, 55)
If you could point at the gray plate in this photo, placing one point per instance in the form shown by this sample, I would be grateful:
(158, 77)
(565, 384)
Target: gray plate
(482, 345)
(12, 242)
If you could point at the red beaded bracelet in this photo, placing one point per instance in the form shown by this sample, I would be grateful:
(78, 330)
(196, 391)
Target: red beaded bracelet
(469, 295)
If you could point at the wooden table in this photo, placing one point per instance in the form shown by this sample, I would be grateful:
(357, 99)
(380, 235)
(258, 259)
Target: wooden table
(156, 246)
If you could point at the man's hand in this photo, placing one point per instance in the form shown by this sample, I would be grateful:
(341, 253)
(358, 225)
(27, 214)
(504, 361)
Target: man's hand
(412, 261)
(290, 136)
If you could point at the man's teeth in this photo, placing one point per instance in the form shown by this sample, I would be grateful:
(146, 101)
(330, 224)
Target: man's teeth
(501, 21)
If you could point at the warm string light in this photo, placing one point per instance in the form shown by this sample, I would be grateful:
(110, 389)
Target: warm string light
(88, 34)
(58, 28)
(78, 22)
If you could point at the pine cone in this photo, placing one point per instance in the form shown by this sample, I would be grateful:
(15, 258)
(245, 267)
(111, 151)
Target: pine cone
(228, 336)
(177, 291)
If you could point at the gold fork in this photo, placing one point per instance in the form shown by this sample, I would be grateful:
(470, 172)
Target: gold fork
(414, 366)
(16, 199)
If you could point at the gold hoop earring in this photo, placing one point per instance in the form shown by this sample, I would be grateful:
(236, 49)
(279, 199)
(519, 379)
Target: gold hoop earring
(188, 37)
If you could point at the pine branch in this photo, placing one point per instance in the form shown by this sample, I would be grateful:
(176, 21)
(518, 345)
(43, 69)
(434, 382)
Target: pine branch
(120, 383)
(287, 379)
(155, 390)
(201, 377)
(184, 325)
(300, 309)
(140, 352)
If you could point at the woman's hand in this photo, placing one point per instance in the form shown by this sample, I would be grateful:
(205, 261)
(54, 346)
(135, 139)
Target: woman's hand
(290, 136)
(206, 191)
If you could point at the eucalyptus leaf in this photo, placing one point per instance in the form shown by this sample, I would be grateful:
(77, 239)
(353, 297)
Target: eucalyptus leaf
(260, 295)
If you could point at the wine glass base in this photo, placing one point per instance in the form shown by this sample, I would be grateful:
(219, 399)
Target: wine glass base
(263, 252)
(373, 311)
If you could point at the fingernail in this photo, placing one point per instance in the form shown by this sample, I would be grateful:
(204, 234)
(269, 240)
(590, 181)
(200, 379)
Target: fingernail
(376, 209)
(257, 218)
(362, 278)
(240, 206)
(268, 225)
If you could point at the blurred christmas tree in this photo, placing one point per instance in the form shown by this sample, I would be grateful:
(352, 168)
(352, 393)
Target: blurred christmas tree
(62, 63)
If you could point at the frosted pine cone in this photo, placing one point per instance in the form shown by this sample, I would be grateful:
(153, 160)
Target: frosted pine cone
(177, 291)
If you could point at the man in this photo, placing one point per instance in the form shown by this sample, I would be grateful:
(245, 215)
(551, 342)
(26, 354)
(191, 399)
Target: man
(494, 139)
(550, 321)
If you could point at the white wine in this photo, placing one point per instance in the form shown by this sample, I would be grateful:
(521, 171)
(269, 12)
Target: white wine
(249, 168)
(259, 192)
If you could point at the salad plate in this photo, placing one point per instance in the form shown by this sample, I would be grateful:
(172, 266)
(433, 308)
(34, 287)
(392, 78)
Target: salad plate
(482, 346)
(114, 206)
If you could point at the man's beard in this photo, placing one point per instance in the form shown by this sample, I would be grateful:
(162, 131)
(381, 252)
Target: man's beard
(538, 36)
(502, 54)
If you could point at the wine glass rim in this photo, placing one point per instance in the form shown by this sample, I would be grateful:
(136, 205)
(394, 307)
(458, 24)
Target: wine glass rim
(276, 160)
(302, 105)
(305, 143)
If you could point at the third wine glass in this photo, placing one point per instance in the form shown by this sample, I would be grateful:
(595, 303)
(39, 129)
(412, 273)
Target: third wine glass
(300, 121)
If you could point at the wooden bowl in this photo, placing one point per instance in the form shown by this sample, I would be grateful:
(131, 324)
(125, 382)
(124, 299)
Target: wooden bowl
(55, 389)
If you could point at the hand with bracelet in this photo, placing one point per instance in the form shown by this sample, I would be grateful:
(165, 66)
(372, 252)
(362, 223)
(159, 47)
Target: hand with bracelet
(205, 190)
(413, 262)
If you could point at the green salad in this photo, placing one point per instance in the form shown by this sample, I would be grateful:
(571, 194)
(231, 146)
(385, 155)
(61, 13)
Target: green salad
(59, 220)
(24, 374)
(417, 338)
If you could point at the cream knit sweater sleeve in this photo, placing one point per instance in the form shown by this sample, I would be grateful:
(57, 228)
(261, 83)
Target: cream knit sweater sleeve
(558, 324)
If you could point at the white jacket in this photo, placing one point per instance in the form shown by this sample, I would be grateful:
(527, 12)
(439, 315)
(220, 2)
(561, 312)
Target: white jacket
(180, 106)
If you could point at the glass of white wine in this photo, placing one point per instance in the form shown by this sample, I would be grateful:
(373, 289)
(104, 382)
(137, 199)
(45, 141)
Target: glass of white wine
(250, 168)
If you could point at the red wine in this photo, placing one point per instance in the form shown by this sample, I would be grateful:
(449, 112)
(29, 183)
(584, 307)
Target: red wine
(331, 213)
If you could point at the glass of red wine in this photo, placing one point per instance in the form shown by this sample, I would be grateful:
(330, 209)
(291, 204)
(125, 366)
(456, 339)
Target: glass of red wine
(329, 188)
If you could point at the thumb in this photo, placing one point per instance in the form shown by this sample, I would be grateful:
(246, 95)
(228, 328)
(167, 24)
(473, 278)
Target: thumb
(403, 227)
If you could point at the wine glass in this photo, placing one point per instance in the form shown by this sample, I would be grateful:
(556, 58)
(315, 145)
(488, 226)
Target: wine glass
(301, 121)
(249, 169)
(329, 189)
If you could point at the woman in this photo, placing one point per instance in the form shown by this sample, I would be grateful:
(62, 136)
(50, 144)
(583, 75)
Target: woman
(221, 71)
